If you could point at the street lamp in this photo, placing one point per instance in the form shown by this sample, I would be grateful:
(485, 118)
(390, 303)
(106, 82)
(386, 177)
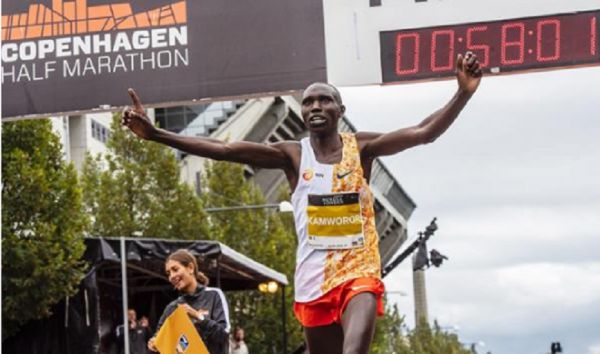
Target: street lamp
(282, 207)
(396, 292)
(270, 287)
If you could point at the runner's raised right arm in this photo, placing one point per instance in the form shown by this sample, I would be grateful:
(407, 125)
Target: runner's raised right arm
(260, 155)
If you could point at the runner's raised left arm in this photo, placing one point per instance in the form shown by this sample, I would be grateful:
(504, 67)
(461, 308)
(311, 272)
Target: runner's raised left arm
(468, 76)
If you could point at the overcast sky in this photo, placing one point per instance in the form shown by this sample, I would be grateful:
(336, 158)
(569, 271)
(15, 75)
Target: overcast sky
(515, 184)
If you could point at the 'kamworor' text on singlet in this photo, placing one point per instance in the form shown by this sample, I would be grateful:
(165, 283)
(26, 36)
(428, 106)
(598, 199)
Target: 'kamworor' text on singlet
(335, 223)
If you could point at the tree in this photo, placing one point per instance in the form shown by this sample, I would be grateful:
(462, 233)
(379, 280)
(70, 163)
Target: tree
(265, 236)
(135, 190)
(393, 336)
(427, 340)
(42, 224)
(388, 336)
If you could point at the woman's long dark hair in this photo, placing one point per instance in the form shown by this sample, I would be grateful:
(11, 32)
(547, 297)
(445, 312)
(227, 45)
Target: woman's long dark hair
(185, 257)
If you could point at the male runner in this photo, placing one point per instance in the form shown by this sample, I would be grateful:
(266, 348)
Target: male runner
(338, 285)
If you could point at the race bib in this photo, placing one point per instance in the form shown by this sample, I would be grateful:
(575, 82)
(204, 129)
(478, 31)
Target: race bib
(335, 221)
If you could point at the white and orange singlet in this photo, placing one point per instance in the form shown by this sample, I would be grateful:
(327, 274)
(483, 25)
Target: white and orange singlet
(335, 223)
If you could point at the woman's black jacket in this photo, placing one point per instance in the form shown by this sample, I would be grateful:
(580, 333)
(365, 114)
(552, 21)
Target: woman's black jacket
(214, 329)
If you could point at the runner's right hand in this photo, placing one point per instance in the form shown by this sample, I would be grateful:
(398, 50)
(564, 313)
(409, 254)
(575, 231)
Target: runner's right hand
(135, 118)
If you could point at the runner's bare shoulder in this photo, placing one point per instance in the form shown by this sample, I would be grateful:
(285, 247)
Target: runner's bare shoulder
(291, 148)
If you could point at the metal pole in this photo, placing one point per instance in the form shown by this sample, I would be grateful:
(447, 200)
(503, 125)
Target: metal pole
(242, 207)
(283, 319)
(124, 295)
(218, 273)
(420, 297)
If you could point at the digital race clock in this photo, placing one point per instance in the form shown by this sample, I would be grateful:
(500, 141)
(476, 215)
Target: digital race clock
(506, 45)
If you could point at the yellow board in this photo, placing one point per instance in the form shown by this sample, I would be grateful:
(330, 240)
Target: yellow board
(179, 336)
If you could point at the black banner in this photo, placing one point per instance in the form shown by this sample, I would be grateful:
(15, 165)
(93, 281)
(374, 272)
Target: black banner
(67, 56)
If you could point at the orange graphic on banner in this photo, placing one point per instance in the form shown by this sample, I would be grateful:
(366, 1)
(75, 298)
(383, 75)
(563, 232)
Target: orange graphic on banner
(75, 17)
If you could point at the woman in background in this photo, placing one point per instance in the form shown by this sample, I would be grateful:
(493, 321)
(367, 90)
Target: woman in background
(206, 307)
(238, 346)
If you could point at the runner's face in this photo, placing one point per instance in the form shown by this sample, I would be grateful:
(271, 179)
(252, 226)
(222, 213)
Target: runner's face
(180, 276)
(320, 109)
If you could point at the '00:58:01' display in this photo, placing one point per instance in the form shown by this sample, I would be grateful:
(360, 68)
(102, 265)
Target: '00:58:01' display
(506, 45)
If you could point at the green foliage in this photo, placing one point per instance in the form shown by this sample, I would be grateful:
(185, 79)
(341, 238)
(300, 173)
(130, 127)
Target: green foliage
(388, 336)
(42, 224)
(393, 337)
(267, 237)
(426, 340)
(135, 190)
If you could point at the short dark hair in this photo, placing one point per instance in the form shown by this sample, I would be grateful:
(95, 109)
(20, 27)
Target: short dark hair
(336, 93)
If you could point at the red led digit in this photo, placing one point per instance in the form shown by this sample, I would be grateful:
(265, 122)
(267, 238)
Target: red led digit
(450, 51)
(483, 59)
(415, 37)
(593, 36)
(520, 43)
(540, 27)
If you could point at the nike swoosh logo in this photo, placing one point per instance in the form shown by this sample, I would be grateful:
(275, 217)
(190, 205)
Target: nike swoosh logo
(342, 175)
(359, 287)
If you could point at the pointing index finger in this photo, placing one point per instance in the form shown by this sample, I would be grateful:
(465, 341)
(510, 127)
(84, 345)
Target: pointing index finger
(137, 104)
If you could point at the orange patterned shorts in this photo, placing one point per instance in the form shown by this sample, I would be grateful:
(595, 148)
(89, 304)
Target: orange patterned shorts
(329, 308)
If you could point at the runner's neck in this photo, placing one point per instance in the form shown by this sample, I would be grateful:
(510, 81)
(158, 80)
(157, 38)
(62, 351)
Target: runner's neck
(327, 148)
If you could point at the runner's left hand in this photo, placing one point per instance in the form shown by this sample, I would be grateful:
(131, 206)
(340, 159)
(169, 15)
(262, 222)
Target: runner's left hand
(468, 72)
